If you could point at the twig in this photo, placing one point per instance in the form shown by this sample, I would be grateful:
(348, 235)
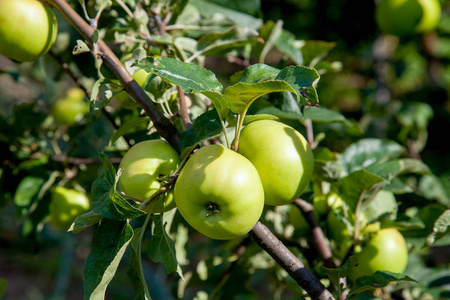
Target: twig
(183, 109)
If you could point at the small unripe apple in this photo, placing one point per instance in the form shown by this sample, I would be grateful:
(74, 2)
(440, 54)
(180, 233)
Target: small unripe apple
(28, 29)
(66, 205)
(407, 17)
(71, 108)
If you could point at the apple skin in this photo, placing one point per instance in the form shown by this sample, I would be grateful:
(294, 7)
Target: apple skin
(28, 29)
(282, 157)
(71, 108)
(142, 166)
(219, 193)
(407, 17)
(66, 205)
(386, 250)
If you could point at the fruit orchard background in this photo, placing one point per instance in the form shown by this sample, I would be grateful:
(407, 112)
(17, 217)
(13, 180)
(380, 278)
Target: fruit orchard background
(383, 88)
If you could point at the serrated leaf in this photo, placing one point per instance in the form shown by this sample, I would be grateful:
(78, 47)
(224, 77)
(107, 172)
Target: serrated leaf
(129, 127)
(440, 228)
(369, 151)
(107, 202)
(241, 95)
(342, 271)
(190, 77)
(134, 268)
(378, 280)
(205, 126)
(360, 185)
(161, 247)
(109, 245)
(84, 221)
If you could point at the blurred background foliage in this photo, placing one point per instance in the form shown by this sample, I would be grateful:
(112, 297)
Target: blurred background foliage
(387, 87)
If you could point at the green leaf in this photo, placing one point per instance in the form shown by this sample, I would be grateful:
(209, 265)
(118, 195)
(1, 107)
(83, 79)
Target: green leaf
(109, 244)
(205, 126)
(391, 169)
(342, 271)
(303, 80)
(440, 229)
(378, 280)
(241, 95)
(134, 269)
(190, 77)
(360, 185)
(383, 205)
(366, 152)
(161, 247)
(258, 72)
(287, 44)
(325, 115)
(432, 188)
(129, 127)
(84, 221)
(108, 202)
(27, 190)
(231, 119)
(314, 51)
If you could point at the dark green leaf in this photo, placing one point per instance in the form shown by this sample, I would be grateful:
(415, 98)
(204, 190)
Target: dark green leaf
(161, 247)
(336, 274)
(314, 51)
(206, 126)
(303, 80)
(391, 169)
(110, 242)
(378, 280)
(27, 190)
(440, 228)
(84, 221)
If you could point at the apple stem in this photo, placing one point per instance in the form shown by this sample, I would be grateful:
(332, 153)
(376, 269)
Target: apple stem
(212, 208)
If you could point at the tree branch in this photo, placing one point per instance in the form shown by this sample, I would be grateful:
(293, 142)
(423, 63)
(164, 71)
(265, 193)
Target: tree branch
(286, 259)
(163, 125)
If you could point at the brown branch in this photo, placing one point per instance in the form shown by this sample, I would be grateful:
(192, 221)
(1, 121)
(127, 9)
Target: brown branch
(183, 109)
(286, 259)
(163, 125)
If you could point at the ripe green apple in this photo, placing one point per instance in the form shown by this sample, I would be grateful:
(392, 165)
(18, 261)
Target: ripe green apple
(123, 97)
(219, 193)
(282, 157)
(71, 108)
(28, 29)
(386, 250)
(407, 17)
(143, 166)
(66, 205)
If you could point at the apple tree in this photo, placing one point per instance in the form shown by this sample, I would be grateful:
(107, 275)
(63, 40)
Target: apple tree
(204, 149)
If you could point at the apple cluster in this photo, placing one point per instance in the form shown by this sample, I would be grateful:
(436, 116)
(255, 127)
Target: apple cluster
(220, 192)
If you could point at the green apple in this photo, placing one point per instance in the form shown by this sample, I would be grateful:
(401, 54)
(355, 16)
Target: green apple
(66, 205)
(123, 97)
(407, 17)
(282, 157)
(28, 29)
(219, 193)
(71, 108)
(386, 250)
(143, 167)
